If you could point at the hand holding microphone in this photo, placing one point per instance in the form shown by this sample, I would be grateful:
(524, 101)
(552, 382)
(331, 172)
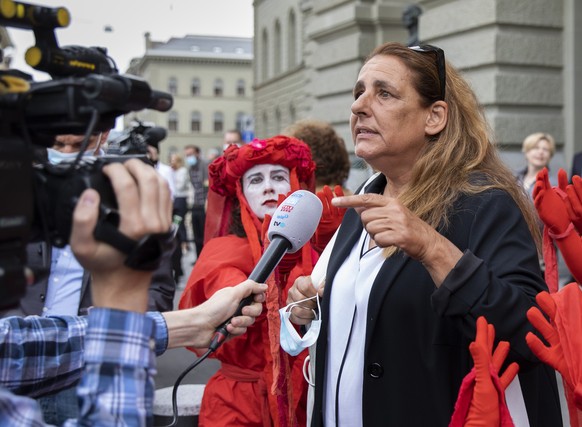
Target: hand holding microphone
(291, 226)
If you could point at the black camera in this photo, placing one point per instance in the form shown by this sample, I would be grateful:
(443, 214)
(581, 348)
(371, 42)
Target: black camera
(85, 96)
(136, 139)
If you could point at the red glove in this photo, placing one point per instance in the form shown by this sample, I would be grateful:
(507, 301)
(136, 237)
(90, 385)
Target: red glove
(550, 204)
(481, 401)
(564, 352)
(331, 217)
(556, 208)
(552, 355)
(574, 200)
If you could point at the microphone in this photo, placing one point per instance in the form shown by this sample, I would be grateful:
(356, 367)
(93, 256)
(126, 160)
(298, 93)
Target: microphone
(292, 225)
(154, 135)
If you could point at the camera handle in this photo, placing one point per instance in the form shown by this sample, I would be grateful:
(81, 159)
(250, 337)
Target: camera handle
(144, 254)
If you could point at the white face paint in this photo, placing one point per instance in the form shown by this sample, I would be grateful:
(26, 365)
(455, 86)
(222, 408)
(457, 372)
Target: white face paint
(261, 186)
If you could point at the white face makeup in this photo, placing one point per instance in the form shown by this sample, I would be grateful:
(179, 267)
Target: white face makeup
(261, 186)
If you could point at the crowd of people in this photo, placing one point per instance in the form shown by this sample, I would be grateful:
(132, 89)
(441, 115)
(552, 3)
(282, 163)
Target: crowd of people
(432, 308)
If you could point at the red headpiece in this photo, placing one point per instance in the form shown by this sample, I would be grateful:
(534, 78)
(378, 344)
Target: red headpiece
(226, 171)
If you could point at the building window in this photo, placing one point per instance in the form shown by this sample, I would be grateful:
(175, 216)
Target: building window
(173, 121)
(292, 113)
(277, 120)
(266, 124)
(195, 121)
(218, 87)
(292, 40)
(240, 121)
(265, 58)
(195, 88)
(240, 87)
(278, 48)
(218, 122)
(173, 85)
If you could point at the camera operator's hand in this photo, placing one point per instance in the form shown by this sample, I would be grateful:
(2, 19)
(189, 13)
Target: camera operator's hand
(145, 208)
(195, 327)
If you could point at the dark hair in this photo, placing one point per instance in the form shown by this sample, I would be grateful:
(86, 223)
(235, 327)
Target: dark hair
(192, 147)
(328, 150)
(236, 225)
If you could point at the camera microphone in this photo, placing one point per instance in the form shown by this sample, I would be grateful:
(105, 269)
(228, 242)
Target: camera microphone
(30, 16)
(153, 135)
(70, 61)
(292, 225)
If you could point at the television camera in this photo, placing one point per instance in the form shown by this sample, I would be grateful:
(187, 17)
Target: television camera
(84, 97)
(136, 139)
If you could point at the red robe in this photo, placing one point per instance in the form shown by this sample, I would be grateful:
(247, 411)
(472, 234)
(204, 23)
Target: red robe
(241, 392)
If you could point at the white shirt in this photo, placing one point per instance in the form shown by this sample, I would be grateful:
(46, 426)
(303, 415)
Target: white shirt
(168, 174)
(347, 334)
(64, 284)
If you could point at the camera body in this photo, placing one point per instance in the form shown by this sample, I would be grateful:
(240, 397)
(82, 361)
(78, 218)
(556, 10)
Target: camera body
(85, 96)
(136, 139)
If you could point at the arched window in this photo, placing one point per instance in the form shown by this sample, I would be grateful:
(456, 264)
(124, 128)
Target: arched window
(173, 85)
(265, 58)
(195, 87)
(195, 120)
(266, 124)
(292, 40)
(277, 120)
(277, 48)
(240, 87)
(292, 113)
(218, 122)
(173, 121)
(240, 121)
(218, 87)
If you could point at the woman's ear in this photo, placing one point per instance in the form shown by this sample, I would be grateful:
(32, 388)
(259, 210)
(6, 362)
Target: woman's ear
(437, 118)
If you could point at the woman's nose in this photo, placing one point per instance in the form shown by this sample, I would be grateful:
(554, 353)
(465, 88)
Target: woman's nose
(269, 186)
(360, 105)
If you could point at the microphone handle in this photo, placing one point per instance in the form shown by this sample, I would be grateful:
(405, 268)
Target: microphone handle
(272, 256)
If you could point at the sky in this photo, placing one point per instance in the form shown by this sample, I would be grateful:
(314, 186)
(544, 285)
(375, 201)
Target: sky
(130, 19)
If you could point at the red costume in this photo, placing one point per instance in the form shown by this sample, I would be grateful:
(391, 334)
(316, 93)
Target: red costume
(258, 384)
(560, 209)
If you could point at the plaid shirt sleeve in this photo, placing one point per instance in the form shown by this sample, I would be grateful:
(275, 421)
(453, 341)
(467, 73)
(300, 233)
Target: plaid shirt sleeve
(54, 349)
(117, 385)
(40, 354)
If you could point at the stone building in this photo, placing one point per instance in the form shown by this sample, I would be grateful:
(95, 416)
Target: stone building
(211, 80)
(522, 57)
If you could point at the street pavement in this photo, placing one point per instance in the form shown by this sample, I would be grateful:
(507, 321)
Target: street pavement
(173, 362)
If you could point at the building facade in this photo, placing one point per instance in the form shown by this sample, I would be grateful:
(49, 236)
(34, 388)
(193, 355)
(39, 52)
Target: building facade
(522, 57)
(211, 80)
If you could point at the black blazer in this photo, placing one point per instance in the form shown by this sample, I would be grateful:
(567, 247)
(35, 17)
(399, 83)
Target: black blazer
(417, 336)
(576, 165)
(161, 292)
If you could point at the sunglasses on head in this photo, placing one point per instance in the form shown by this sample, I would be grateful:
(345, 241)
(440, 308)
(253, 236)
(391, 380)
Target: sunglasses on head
(440, 63)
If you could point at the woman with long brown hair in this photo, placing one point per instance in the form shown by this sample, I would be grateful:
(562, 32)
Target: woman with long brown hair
(441, 235)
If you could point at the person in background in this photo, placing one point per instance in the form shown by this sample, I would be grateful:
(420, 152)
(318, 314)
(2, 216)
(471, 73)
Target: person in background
(440, 236)
(328, 150)
(63, 287)
(232, 136)
(111, 350)
(183, 187)
(198, 170)
(245, 185)
(163, 169)
(576, 165)
(538, 148)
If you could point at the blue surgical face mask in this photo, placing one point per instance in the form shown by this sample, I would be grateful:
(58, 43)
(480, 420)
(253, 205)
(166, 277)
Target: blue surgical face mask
(55, 156)
(191, 160)
(289, 338)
